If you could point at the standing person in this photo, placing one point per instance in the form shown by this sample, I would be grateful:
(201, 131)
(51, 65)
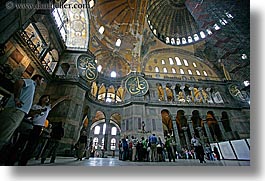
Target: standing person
(38, 125)
(56, 135)
(216, 152)
(195, 143)
(200, 153)
(81, 145)
(90, 148)
(125, 148)
(134, 143)
(144, 142)
(153, 151)
(169, 149)
(209, 152)
(44, 137)
(17, 107)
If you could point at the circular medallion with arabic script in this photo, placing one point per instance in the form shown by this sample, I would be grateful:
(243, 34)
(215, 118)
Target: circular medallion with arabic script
(87, 67)
(137, 86)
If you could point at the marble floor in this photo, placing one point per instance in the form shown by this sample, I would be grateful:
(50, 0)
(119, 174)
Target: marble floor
(71, 161)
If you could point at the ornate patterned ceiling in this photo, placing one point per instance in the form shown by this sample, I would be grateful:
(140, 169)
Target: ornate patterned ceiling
(225, 24)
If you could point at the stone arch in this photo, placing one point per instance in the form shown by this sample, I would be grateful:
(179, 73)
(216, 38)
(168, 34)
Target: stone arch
(160, 92)
(167, 122)
(197, 122)
(213, 126)
(169, 92)
(226, 122)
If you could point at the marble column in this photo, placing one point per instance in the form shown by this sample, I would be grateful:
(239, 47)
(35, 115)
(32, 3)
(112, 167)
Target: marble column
(176, 133)
(175, 98)
(165, 93)
(200, 92)
(97, 92)
(185, 130)
(192, 94)
(106, 94)
(190, 125)
(208, 132)
(208, 90)
(106, 136)
(184, 94)
(221, 127)
(115, 96)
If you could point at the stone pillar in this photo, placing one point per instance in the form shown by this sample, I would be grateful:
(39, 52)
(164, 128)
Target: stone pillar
(153, 94)
(190, 125)
(68, 112)
(97, 92)
(208, 90)
(186, 136)
(221, 127)
(200, 92)
(176, 133)
(174, 94)
(106, 94)
(202, 137)
(165, 93)
(115, 90)
(208, 132)
(106, 137)
(192, 94)
(184, 94)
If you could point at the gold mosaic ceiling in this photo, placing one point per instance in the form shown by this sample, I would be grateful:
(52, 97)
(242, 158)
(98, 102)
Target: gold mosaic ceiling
(127, 20)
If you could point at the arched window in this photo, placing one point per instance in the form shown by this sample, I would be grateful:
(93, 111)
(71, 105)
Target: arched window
(101, 29)
(205, 73)
(189, 39)
(171, 61)
(113, 144)
(173, 70)
(194, 64)
(165, 70)
(97, 130)
(58, 16)
(156, 69)
(202, 34)
(155, 32)
(163, 62)
(118, 43)
(178, 41)
(190, 72)
(181, 71)
(185, 62)
(113, 131)
(95, 142)
(99, 68)
(167, 40)
(196, 37)
(216, 27)
(113, 74)
(198, 72)
(178, 61)
(173, 41)
(209, 31)
(184, 41)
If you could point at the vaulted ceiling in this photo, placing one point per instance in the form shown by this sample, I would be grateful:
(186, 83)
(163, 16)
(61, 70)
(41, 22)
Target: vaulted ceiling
(145, 27)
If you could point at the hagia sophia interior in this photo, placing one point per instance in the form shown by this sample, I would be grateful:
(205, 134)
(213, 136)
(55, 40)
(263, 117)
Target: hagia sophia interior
(136, 67)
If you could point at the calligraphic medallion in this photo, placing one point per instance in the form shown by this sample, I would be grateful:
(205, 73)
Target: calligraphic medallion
(87, 67)
(237, 93)
(137, 86)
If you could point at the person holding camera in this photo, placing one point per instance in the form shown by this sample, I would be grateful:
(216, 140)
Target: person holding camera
(42, 108)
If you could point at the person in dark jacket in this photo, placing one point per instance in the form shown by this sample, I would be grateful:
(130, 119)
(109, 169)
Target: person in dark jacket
(81, 145)
(56, 135)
